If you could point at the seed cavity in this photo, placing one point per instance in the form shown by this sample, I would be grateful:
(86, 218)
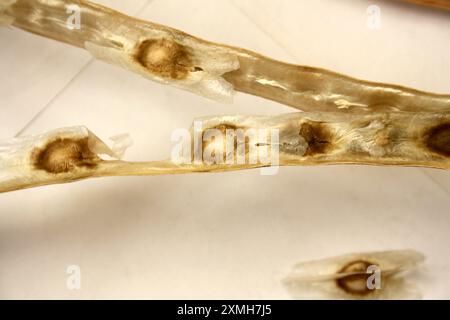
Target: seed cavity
(318, 137)
(437, 139)
(221, 145)
(166, 58)
(64, 155)
(355, 284)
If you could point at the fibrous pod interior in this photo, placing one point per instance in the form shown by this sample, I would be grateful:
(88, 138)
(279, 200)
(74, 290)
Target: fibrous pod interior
(58, 156)
(393, 138)
(228, 143)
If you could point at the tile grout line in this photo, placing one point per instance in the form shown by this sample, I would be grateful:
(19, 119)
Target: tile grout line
(55, 97)
(70, 82)
(436, 183)
(144, 6)
(264, 31)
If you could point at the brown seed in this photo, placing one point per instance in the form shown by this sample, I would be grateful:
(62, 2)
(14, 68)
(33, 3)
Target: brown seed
(318, 137)
(223, 127)
(64, 155)
(438, 139)
(355, 284)
(165, 58)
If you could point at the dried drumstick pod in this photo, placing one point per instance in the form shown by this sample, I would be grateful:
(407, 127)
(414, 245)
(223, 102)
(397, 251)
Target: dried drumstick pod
(71, 154)
(369, 275)
(173, 57)
(397, 138)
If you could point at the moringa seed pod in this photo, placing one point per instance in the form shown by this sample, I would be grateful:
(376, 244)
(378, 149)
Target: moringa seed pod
(213, 70)
(396, 138)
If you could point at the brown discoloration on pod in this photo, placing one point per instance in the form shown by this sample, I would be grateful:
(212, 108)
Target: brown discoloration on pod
(64, 155)
(223, 127)
(166, 58)
(318, 137)
(437, 139)
(355, 284)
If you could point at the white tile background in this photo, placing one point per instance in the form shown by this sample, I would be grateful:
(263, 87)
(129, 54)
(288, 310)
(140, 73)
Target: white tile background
(219, 235)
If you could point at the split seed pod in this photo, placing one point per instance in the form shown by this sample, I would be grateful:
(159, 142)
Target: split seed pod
(213, 70)
(369, 275)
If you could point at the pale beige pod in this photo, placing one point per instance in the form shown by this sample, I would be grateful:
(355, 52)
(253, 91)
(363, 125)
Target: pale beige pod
(353, 276)
(170, 56)
(395, 138)
(75, 153)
